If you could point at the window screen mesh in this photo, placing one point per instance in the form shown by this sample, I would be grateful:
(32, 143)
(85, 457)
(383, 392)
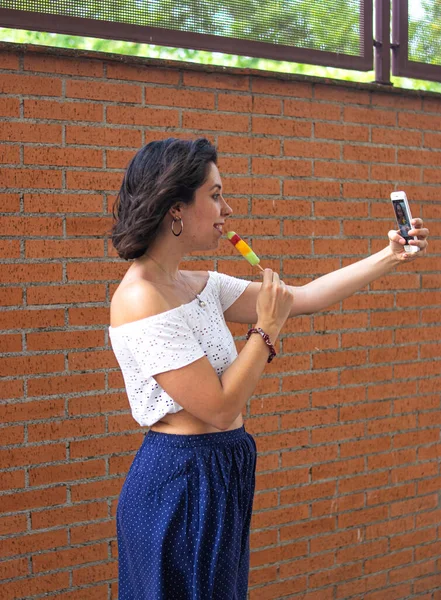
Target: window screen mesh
(328, 25)
(425, 31)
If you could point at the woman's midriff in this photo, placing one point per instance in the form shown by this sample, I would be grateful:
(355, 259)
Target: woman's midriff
(183, 423)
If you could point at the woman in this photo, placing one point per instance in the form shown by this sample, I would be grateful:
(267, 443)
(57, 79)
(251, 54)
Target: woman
(184, 511)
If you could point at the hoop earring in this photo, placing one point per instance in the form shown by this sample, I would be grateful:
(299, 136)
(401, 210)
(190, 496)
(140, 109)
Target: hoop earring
(175, 220)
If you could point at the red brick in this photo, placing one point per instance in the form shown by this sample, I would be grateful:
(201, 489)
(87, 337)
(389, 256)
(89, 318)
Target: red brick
(12, 435)
(30, 85)
(311, 188)
(72, 471)
(419, 121)
(13, 524)
(369, 153)
(233, 165)
(30, 365)
(283, 127)
(89, 316)
(11, 296)
(412, 572)
(274, 166)
(341, 396)
(50, 561)
(63, 111)
(28, 500)
(40, 585)
(215, 122)
(66, 203)
(232, 103)
(308, 455)
(146, 73)
(343, 132)
(25, 411)
(10, 203)
(370, 116)
(309, 381)
(118, 159)
(215, 80)
(18, 319)
(392, 173)
(14, 568)
(431, 140)
(10, 248)
(266, 106)
(278, 87)
(31, 178)
(390, 527)
(9, 155)
(311, 149)
(31, 226)
(329, 576)
(90, 226)
(340, 170)
(93, 180)
(419, 157)
(9, 60)
(393, 137)
(66, 294)
(68, 428)
(281, 440)
(248, 145)
(10, 107)
(57, 340)
(71, 157)
(277, 403)
(103, 136)
(307, 565)
(62, 64)
(341, 94)
(365, 447)
(109, 92)
(312, 110)
(12, 480)
(63, 248)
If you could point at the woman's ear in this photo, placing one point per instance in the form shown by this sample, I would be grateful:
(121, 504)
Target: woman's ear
(175, 211)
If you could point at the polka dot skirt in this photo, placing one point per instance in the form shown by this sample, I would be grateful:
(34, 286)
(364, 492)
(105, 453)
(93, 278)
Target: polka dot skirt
(184, 515)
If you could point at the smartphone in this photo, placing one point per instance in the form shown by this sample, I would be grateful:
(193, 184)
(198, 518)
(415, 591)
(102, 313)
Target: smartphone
(404, 217)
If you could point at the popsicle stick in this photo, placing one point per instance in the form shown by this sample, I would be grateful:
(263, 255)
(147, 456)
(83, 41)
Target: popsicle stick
(260, 267)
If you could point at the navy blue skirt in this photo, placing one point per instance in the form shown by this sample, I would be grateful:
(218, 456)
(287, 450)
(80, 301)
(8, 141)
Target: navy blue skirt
(183, 518)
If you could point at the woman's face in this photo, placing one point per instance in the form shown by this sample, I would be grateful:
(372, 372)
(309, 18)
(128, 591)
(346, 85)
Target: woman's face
(400, 211)
(204, 219)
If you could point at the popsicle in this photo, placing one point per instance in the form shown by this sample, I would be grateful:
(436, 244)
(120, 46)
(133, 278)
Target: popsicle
(244, 249)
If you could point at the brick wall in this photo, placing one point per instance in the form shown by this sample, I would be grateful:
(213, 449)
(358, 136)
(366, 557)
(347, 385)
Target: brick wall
(346, 419)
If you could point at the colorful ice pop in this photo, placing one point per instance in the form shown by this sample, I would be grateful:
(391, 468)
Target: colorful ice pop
(244, 249)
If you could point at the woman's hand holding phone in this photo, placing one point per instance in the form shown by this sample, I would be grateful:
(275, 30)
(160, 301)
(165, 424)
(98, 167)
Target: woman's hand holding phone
(409, 242)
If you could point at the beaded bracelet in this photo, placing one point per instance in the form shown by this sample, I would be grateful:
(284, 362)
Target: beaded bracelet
(266, 339)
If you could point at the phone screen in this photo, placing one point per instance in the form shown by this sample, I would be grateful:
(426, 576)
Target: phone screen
(402, 219)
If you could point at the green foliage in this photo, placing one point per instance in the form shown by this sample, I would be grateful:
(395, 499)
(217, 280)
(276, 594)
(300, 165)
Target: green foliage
(331, 26)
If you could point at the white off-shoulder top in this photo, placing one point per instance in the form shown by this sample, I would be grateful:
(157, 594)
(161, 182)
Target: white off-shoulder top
(174, 339)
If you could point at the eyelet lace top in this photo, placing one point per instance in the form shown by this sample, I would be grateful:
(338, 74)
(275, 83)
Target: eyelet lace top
(174, 339)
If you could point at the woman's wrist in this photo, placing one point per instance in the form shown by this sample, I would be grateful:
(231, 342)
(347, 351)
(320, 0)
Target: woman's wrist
(391, 257)
(266, 338)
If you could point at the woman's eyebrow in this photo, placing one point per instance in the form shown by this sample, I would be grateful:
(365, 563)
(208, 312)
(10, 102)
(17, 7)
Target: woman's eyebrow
(216, 185)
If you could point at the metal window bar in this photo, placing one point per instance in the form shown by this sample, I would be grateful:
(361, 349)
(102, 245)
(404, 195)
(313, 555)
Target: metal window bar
(405, 52)
(208, 26)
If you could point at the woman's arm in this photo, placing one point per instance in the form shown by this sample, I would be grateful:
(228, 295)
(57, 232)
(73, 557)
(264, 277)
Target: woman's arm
(338, 285)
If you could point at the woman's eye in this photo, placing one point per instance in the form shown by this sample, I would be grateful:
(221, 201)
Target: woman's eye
(216, 196)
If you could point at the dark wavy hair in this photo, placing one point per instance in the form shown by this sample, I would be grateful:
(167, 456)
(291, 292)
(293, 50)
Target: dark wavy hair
(160, 175)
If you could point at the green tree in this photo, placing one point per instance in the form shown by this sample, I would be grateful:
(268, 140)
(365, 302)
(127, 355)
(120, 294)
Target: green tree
(337, 22)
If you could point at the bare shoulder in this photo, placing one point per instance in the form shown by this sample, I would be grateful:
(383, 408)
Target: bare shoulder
(136, 300)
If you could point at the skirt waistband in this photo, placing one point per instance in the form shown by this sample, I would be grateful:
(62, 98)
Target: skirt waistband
(192, 441)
